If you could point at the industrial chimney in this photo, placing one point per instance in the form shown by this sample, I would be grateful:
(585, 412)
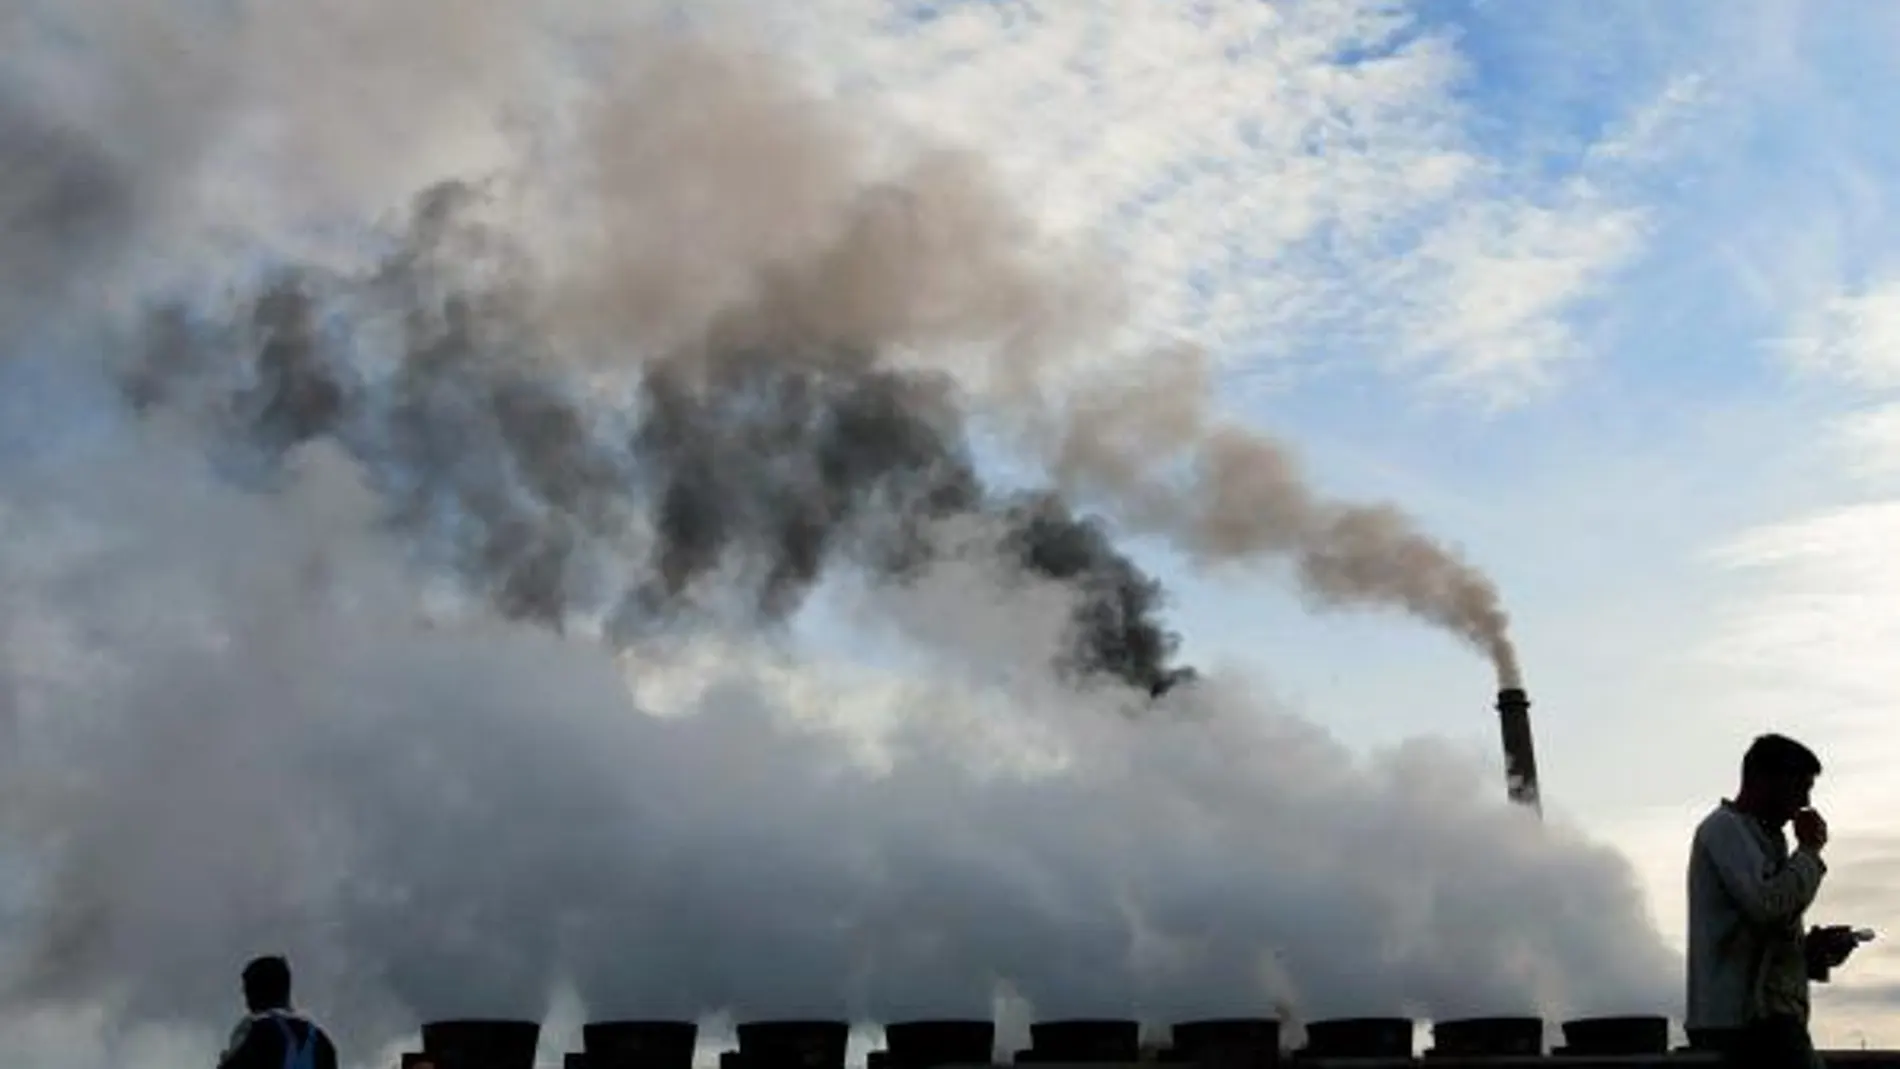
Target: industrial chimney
(1520, 758)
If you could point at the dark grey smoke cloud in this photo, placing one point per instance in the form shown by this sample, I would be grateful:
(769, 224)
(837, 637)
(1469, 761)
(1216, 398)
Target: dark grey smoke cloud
(746, 468)
(63, 203)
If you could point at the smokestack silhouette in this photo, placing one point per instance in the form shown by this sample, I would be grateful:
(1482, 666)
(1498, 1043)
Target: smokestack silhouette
(931, 1043)
(1520, 758)
(793, 1044)
(646, 1044)
(491, 1044)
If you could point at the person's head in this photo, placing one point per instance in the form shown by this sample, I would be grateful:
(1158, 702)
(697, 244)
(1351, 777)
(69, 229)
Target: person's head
(1778, 775)
(267, 984)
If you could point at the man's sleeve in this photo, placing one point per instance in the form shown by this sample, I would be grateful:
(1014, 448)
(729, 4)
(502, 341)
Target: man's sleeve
(1738, 861)
(254, 1046)
(240, 1052)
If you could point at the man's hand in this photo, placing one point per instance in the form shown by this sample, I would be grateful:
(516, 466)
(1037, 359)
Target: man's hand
(1831, 945)
(1810, 830)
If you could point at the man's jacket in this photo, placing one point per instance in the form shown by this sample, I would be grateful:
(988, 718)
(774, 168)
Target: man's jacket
(1747, 900)
(262, 1041)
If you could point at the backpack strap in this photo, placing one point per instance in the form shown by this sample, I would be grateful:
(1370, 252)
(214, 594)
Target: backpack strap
(295, 1053)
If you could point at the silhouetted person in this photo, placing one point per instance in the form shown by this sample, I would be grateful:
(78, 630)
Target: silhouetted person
(272, 1035)
(1750, 959)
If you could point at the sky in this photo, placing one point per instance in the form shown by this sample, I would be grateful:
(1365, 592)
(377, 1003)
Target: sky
(1599, 291)
(1602, 292)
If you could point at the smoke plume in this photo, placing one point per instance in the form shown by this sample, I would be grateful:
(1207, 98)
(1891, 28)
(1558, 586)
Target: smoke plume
(637, 341)
(689, 206)
(1152, 444)
(785, 435)
(747, 468)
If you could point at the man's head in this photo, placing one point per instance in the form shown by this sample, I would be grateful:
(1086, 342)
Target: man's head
(1778, 774)
(267, 984)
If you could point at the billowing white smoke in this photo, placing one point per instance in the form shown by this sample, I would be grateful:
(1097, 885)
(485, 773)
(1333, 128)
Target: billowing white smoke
(228, 726)
(235, 733)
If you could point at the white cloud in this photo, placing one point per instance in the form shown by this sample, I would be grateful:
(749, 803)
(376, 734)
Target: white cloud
(1851, 337)
(1655, 132)
(1822, 618)
(1854, 335)
(1807, 644)
(1871, 439)
(1284, 183)
(1815, 626)
(1287, 184)
(1494, 285)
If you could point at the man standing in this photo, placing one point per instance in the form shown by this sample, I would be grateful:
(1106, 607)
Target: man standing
(273, 1036)
(1750, 959)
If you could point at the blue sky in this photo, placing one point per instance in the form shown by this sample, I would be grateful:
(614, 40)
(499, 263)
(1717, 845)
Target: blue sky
(1595, 289)
(1680, 427)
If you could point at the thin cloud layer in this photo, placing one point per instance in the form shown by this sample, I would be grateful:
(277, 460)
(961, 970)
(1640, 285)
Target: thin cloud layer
(1290, 184)
(1809, 629)
(1820, 585)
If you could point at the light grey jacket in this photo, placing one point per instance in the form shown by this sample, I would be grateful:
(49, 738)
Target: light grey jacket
(1747, 901)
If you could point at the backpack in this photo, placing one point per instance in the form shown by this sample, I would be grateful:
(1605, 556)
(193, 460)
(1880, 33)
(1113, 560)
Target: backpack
(298, 1056)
